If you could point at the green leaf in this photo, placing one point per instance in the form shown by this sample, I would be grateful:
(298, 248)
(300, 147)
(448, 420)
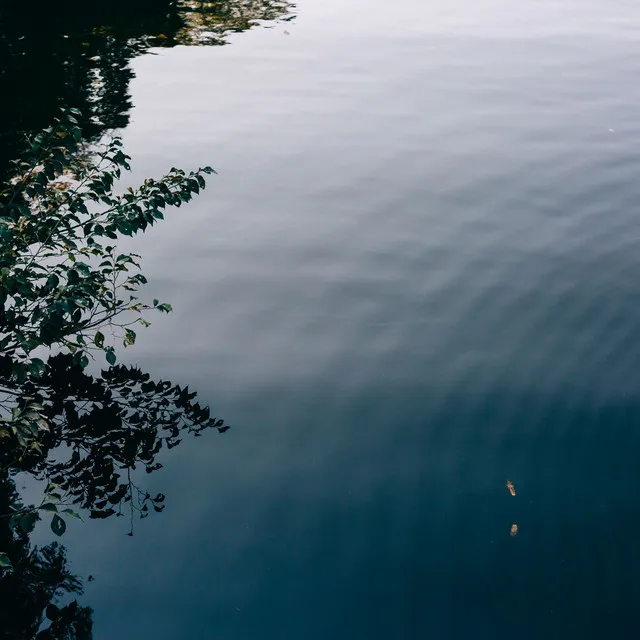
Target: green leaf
(5, 563)
(58, 525)
(36, 367)
(99, 339)
(19, 371)
(28, 521)
(52, 282)
(111, 357)
(48, 506)
(71, 513)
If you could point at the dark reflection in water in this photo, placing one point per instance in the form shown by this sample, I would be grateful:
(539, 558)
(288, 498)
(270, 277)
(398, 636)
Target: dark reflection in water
(102, 429)
(40, 576)
(71, 54)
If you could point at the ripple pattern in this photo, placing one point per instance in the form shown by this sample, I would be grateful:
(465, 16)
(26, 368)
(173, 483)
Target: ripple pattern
(417, 275)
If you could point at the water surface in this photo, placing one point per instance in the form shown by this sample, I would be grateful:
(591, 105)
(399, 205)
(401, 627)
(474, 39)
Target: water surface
(415, 277)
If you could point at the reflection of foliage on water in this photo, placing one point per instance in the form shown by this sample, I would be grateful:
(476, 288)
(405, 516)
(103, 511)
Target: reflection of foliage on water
(40, 577)
(68, 295)
(73, 54)
(100, 430)
(65, 54)
(210, 22)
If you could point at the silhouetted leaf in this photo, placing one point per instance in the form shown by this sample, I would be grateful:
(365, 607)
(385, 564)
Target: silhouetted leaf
(52, 612)
(36, 367)
(58, 525)
(28, 521)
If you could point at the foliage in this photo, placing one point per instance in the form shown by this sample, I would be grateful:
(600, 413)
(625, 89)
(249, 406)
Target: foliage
(62, 281)
(38, 577)
(107, 426)
(78, 53)
(67, 295)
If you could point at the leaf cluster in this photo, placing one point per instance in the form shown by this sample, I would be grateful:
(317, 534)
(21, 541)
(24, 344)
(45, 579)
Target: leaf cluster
(66, 295)
(108, 426)
(62, 281)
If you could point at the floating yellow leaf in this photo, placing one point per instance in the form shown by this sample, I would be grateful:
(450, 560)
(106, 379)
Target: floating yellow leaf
(514, 530)
(511, 488)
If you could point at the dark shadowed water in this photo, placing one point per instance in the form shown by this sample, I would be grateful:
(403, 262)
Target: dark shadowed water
(417, 276)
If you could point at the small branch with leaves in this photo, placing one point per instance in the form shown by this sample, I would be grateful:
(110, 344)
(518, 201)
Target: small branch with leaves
(67, 296)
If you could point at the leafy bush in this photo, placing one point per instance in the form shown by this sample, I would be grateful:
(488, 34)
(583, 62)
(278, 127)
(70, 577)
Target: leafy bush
(67, 296)
(62, 280)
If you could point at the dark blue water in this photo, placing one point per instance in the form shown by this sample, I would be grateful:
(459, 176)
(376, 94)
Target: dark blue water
(417, 276)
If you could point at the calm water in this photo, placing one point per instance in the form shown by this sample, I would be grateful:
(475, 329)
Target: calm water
(416, 276)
